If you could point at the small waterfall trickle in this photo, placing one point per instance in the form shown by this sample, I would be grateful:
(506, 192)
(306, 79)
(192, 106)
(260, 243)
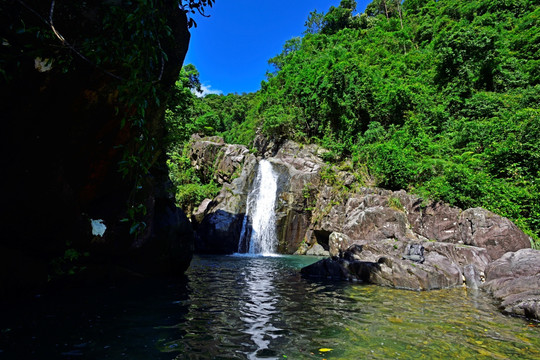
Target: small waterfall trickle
(258, 235)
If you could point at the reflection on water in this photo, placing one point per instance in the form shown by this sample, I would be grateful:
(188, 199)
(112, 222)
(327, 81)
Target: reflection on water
(262, 309)
(259, 309)
(235, 307)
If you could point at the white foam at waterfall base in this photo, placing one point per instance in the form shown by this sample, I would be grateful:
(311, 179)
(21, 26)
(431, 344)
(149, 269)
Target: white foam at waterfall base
(260, 214)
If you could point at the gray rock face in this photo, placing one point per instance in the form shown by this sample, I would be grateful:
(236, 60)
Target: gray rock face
(375, 214)
(515, 280)
(299, 176)
(480, 227)
(309, 210)
(212, 158)
(461, 254)
(383, 263)
(298, 168)
(433, 220)
(219, 223)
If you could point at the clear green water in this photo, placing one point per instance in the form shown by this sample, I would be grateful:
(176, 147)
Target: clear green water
(260, 308)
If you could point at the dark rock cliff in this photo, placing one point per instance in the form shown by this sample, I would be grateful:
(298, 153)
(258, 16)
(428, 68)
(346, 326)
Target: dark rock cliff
(62, 141)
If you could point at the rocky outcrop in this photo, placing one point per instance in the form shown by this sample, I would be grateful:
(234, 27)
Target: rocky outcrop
(514, 279)
(393, 263)
(336, 241)
(373, 214)
(316, 200)
(299, 168)
(64, 137)
(213, 159)
(235, 167)
(218, 222)
(480, 227)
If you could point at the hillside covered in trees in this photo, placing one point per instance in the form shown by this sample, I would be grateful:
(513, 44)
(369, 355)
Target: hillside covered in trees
(440, 98)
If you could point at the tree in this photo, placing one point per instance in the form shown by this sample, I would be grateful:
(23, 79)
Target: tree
(339, 17)
(389, 8)
(290, 46)
(314, 23)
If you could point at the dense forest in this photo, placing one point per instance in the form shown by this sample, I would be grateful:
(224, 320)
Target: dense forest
(440, 98)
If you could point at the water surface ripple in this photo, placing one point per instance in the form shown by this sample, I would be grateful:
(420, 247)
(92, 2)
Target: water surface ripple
(260, 307)
(241, 307)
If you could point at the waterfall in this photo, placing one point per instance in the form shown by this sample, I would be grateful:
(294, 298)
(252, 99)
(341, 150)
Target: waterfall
(258, 235)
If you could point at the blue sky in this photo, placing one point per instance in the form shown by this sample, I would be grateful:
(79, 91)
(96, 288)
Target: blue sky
(231, 48)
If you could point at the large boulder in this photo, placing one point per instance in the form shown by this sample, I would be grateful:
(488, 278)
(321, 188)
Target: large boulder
(335, 241)
(404, 265)
(480, 227)
(514, 279)
(368, 213)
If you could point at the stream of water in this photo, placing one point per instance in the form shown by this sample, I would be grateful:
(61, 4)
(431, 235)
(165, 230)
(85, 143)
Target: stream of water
(258, 235)
(240, 307)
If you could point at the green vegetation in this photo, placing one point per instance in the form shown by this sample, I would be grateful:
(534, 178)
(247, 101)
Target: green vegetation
(440, 98)
(231, 116)
(395, 203)
(190, 189)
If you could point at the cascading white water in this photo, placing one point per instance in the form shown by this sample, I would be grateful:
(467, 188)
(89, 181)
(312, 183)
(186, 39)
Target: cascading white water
(258, 235)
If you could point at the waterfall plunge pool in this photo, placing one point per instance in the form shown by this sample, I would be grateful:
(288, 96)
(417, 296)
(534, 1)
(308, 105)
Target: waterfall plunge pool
(253, 307)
